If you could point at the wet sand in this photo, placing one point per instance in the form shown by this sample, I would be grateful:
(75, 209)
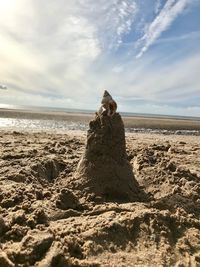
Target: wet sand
(41, 224)
(163, 123)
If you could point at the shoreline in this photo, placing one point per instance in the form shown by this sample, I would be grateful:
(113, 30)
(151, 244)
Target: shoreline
(132, 123)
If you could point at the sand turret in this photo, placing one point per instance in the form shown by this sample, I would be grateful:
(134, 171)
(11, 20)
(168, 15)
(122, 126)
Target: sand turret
(104, 170)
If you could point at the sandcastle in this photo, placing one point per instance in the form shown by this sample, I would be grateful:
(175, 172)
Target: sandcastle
(104, 171)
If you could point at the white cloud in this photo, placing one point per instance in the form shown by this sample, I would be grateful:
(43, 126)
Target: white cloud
(53, 47)
(112, 19)
(161, 23)
(158, 5)
(182, 37)
(163, 109)
(137, 83)
(64, 53)
(44, 54)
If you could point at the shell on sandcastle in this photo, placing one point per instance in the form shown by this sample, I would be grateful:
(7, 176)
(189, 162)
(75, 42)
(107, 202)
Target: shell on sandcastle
(108, 105)
(104, 170)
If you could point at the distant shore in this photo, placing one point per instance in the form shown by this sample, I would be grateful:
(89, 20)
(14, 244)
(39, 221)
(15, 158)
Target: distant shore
(146, 122)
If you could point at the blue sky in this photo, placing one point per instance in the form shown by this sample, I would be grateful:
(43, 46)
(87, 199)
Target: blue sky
(146, 53)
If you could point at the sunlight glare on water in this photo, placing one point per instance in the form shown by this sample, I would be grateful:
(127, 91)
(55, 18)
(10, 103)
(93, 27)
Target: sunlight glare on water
(26, 124)
(62, 125)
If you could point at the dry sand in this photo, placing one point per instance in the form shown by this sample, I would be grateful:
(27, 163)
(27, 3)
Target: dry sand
(43, 223)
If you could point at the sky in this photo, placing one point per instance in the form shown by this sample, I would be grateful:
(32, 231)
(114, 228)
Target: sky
(146, 53)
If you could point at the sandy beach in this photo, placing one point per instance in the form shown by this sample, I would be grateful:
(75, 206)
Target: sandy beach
(100, 133)
(42, 225)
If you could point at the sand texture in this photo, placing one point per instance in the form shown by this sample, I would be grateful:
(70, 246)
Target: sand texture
(104, 172)
(47, 221)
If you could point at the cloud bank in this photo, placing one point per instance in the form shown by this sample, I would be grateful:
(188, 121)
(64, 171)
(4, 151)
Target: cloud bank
(66, 53)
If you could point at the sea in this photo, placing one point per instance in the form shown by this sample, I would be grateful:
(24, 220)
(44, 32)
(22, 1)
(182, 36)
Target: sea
(41, 124)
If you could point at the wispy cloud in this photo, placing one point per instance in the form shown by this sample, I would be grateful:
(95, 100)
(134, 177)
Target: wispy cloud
(64, 54)
(161, 23)
(158, 5)
(56, 46)
(188, 36)
(112, 19)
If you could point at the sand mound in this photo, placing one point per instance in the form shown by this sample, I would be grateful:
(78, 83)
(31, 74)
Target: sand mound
(104, 171)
